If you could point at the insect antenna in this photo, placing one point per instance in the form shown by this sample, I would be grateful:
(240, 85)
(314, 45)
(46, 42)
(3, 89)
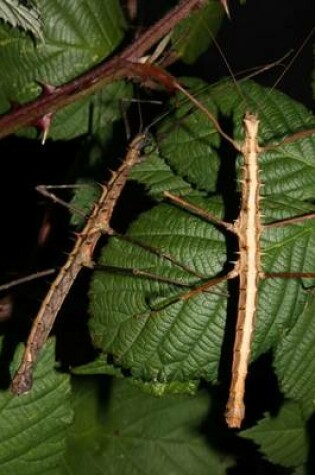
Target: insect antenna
(293, 59)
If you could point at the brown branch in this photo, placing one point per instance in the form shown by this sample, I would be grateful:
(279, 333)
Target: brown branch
(93, 80)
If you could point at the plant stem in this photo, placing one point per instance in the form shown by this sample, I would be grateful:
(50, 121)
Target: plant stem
(94, 79)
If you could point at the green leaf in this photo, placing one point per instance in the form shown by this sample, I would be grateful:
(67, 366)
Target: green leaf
(92, 115)
(295, 359)
(190, 142)
(158, 177)
(193, 35)
(34, 426)
(83, 199)
(142, 322)
(282, 439)
(26, 16)
(136, 434)
(101, 366)
(181, 341)
(98, 366)
(77, 35)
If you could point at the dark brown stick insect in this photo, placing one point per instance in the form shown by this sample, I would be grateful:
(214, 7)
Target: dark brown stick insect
(179, 335)
(81, 256)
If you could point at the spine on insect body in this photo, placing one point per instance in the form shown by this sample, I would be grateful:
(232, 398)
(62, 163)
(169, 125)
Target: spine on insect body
(248, 227)
(81, 256)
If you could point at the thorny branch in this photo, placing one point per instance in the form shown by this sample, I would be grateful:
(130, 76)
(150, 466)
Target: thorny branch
(54, 98)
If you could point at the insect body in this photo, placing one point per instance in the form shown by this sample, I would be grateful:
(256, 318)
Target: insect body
(81, 255)
(248, 229)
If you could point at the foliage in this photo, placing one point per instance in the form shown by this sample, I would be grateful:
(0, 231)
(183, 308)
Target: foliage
(193, 35)
(78, 33)
(283, 439)
(150, 342)
(122, 430)
(34, 426)
(25, 15)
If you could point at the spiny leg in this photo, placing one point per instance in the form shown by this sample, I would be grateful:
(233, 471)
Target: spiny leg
(159, 253)
(45, 191)
(193, 292)
(198, 211)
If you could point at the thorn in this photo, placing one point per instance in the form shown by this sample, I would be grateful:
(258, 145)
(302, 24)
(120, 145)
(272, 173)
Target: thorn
(90, 264)
(226, 8)
(44, 124)
(46, 88)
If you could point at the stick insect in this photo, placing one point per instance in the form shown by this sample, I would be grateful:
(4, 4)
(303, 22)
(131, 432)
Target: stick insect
(80, 256)
(248, 229)
(168, 352)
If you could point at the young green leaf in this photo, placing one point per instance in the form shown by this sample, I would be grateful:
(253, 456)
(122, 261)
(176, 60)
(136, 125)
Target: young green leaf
(24, 16)
(34, 426)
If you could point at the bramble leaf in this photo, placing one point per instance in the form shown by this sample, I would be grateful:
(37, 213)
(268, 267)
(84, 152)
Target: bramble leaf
(77, 35)
(138, 433)
(27, 16)
(295, 360)
(34, 426)
(193, 35)
(283, 438)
